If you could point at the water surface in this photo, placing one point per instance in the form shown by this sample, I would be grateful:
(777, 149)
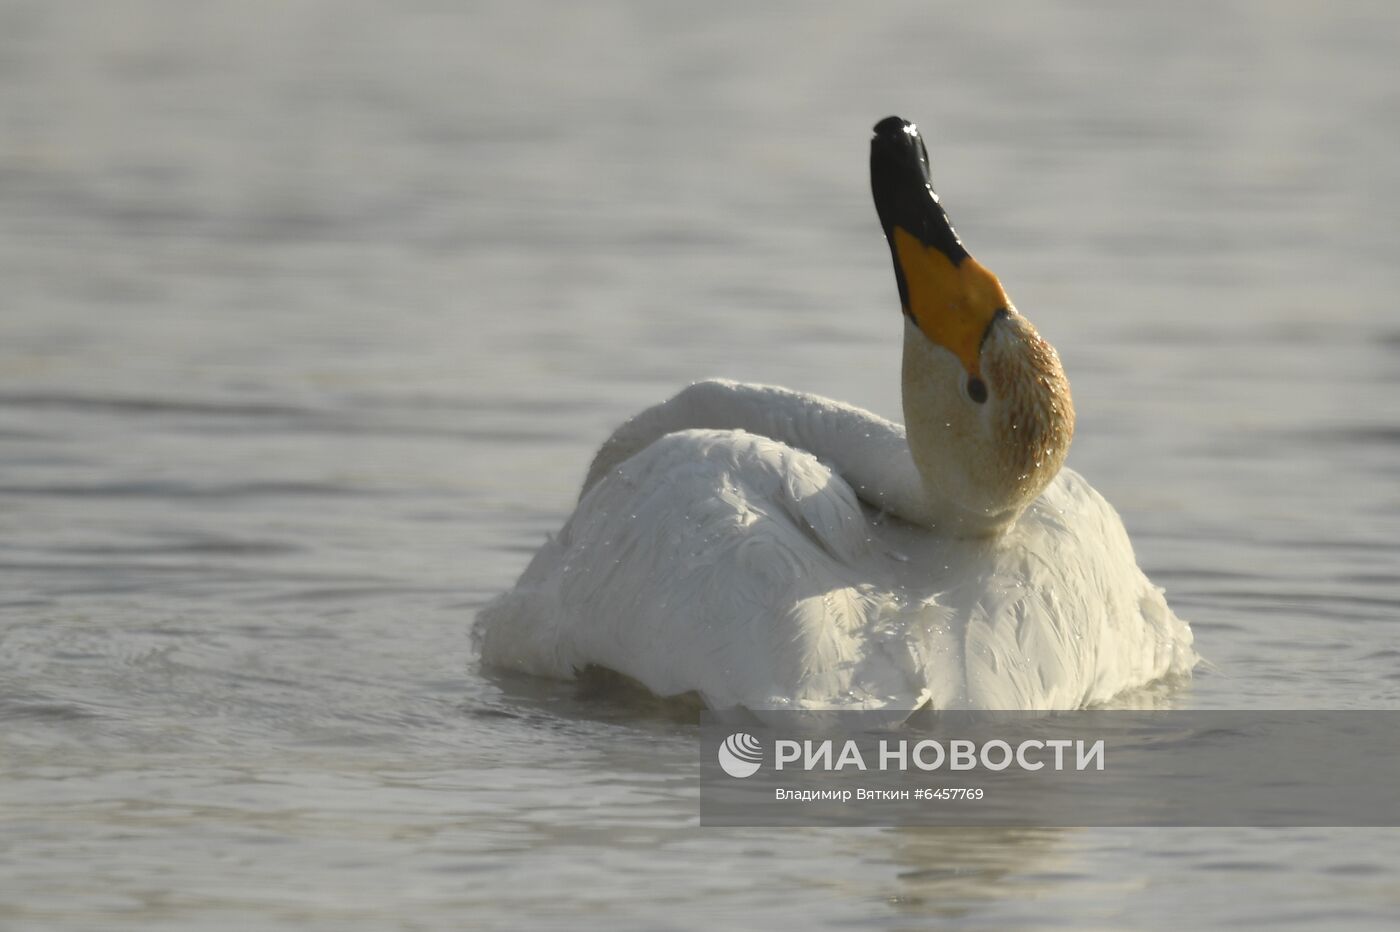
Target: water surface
(313, 314)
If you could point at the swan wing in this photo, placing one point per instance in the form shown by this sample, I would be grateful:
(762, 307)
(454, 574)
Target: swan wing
(720, 562)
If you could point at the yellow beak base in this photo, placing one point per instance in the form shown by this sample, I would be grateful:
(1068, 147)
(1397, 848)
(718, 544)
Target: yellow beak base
(952, 304)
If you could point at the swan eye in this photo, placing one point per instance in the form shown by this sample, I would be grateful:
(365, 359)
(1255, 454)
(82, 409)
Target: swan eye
(977, 390)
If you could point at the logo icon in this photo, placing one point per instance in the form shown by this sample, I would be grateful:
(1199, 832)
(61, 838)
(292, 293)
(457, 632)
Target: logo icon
(741, 755)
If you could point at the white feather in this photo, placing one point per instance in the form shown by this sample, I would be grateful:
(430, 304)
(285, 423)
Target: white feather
(749, 570)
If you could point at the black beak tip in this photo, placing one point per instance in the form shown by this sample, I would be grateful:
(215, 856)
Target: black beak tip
(901, 182)
(898, 145)
(893, 125)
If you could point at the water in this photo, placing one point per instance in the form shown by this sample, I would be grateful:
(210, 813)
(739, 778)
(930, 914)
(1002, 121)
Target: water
(314, 313)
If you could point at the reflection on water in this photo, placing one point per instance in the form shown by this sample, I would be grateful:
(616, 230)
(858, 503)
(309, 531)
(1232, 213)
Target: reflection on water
(314, 314)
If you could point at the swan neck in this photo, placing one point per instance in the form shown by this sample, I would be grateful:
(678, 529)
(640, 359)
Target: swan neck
(870, 453)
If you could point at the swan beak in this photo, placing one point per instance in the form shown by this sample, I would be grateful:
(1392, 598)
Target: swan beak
(948, 295)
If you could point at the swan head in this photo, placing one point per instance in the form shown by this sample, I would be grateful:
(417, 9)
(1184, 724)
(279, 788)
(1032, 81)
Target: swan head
(986, 402)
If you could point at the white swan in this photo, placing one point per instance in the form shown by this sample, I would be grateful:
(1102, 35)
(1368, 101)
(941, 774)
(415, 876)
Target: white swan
(770, 549)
